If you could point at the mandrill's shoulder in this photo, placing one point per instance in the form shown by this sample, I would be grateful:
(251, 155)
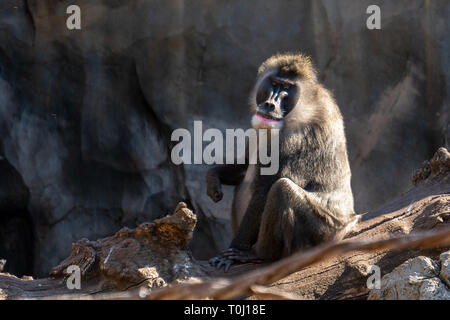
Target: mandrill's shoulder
(325, 97)
(327, 111)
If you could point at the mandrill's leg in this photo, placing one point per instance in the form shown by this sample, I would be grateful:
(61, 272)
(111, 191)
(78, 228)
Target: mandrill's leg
(292, 219)
(276, 232)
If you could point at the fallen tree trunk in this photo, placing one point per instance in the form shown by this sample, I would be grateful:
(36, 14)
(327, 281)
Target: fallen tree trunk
(154, 255)
(424, 208)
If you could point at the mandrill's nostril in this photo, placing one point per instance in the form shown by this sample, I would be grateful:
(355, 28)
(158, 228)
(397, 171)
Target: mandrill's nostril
(268, 106)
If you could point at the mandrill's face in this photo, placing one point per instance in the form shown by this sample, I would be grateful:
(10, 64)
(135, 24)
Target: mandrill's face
(276, 96)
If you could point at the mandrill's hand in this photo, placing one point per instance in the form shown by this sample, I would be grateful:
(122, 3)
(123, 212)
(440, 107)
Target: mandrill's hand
(232, 255)
(214, 188)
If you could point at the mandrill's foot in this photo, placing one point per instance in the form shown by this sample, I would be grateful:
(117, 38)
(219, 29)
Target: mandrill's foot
(232, 255)
(242, 256)
(220, 261)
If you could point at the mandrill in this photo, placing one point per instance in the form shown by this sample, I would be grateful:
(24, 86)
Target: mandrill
(309, 200)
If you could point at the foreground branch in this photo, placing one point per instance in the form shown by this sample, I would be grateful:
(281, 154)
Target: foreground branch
(222, 288)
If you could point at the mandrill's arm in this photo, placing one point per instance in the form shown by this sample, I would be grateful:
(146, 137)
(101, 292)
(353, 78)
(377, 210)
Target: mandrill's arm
(229, 174)
(247, 232)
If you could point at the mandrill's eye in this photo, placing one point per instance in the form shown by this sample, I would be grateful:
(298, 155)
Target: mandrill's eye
(286, 86)
(274, 84)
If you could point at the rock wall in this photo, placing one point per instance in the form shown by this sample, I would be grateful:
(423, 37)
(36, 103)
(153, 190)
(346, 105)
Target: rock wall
(86, 115)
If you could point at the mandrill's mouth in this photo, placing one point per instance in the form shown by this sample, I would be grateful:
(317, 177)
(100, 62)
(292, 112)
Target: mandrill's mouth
(260, 121)
(266, 117)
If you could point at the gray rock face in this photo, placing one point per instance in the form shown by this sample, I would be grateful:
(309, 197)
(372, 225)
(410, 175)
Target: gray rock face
(445, 268)
(420, 278)
(86, 115)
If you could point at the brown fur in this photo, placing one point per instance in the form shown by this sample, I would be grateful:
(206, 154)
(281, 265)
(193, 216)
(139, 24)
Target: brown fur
(290, 64)
(310, 200)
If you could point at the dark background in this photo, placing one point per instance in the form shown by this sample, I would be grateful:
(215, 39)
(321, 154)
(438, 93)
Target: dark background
(86, 115)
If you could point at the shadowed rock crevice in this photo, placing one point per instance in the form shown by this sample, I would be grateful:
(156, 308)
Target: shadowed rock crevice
(16, 228)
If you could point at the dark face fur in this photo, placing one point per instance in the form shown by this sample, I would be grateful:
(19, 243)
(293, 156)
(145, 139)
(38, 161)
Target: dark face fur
(276, 96)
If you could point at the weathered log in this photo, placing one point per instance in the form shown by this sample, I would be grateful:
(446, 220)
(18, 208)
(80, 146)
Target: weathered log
(332, 271)
(424, 207)
(151, 255)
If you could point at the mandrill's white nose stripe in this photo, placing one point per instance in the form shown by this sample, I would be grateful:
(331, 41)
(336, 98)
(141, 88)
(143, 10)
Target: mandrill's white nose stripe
(283, 94)
(271, 94)
(277, 93)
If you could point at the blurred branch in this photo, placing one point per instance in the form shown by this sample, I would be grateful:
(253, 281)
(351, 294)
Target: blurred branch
(241, 285)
